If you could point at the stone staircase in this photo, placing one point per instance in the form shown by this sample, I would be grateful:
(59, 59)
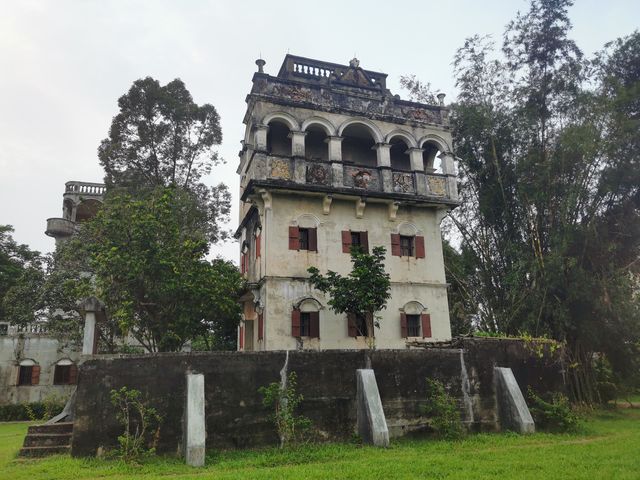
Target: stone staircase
(43, 440)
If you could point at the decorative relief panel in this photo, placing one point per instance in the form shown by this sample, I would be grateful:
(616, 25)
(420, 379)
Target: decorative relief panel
(359, 177)
(280, 169)
(403, 182)
(318, 174)
(437, 186)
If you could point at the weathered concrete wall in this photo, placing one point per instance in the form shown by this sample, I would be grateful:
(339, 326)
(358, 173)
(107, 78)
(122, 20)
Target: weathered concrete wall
(44, 351)
(234, 413)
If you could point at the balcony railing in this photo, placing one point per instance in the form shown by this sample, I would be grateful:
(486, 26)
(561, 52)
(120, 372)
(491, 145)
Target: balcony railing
(346, 175)
(85, 188)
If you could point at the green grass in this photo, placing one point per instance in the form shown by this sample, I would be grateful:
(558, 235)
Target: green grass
(607, 448)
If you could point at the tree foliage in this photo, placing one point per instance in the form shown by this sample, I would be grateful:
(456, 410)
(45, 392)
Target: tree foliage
(549, 225)
(161, 137)
(150, 270)
(363, 292)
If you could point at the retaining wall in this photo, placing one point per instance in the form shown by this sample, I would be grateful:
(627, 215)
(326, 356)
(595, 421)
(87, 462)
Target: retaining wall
(234, 413)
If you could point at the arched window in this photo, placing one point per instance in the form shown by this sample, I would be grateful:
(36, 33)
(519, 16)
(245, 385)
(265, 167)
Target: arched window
(358, 145)
(278, 138)
(305, 319)
(414, 321)
(87, 209)
(28, 373)
(399, 154)
(66, 373)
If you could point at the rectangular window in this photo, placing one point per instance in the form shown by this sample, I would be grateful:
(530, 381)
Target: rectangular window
(62, 375)
(25, 374)
(406, 246)
(413, 325)
(305, 324)
(4, 329)
(358, 239)
(355, 239)
(361, 325)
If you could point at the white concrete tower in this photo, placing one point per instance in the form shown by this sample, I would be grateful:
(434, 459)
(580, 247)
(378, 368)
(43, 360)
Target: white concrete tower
(331, 158)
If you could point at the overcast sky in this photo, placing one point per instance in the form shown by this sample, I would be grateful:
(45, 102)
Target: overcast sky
(63, 65)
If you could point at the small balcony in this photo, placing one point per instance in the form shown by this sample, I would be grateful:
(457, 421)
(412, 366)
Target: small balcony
(60, 227)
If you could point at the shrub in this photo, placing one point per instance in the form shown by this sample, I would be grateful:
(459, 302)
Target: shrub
(36, 411)
(284, 401)
(555, 414)
(141, 424)
(442, 410)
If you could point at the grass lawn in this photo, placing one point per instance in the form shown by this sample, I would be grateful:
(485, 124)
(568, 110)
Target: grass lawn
(607, 448)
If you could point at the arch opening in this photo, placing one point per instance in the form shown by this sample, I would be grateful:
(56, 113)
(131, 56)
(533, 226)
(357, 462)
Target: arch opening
(316, 146)
(278, 138)
(399, 153)
(431, 157)
(87, 209)
(358, 146)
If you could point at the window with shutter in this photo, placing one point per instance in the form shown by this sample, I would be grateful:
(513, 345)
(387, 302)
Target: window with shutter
(413, 325)
(294, 238)
(419, 241)
(346, 241)
(295, 323)
(403, 325)
(426, 325)
(24, 375)
(62, 375)
(395, 245)
(305, 324)
(312, 234)
(35, 375)
(406, 246)
(314, 324)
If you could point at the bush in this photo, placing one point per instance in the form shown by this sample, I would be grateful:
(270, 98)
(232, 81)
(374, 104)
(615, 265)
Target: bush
(141, 424)
(36, 411)
(284, 401)
(555, 414)
(442, 410)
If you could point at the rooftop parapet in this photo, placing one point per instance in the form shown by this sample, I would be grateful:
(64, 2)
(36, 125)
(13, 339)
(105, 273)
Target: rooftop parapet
(349, 89)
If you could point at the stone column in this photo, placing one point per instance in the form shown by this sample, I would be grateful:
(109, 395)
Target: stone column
(335, 148)
(297, 143)
(90, 307)
(335, 157)
(194, 421)
(417, 167)
(384, 166)
(448, 169)
(260, 137)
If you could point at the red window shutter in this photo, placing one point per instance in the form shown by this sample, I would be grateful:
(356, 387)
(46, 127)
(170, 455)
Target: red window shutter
(403, 325)
(346, 241)
(294, 238)
(313, 239)
(35, 375)
(419, 246)
(314, 324)
(241, 339)
(351, 325)
(258, 241)
(395, 245)
(73, 374)
(364, 241)
(295, 323)
(426, 325)
(260, 326)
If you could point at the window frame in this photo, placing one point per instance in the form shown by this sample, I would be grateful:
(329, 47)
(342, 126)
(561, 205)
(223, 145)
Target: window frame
(407, 245)
(24, 379)
(414, 326)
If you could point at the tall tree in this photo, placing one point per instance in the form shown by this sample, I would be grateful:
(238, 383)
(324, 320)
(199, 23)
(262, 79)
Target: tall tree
(161, 137)
(151, 271)
(549, 224)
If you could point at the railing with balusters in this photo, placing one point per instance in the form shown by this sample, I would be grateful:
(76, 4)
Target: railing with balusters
(85, 188)
(312, 70)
